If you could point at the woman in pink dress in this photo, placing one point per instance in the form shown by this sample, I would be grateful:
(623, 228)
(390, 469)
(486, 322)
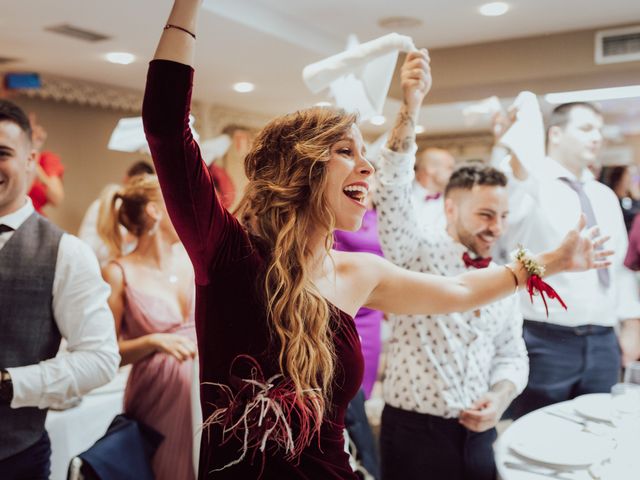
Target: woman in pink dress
(152, 303)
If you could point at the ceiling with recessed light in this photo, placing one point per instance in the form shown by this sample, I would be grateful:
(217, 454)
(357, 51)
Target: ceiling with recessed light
(266, 42)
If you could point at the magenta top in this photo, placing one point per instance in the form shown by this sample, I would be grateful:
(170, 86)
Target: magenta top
(632, 260)
(235, 342)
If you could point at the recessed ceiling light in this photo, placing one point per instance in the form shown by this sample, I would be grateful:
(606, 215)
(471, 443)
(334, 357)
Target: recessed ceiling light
(323, 104)
(121, 58)
(419, 129)
(377, 120)
(594, 95)
(494, 9)
(244, 87)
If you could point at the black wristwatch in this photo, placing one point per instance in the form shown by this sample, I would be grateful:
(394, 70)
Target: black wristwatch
(6, 388)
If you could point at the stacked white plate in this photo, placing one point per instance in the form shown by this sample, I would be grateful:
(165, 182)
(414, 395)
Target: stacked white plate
(595, 406)
(551, 445)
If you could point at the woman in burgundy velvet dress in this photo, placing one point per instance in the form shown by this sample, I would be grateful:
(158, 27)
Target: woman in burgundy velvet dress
(279, 352)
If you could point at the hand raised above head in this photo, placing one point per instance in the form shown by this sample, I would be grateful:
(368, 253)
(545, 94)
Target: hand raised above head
(415, 77)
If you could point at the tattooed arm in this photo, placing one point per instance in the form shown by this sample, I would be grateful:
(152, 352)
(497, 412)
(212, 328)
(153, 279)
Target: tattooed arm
(403, 134)
(397, 219)
(416, 83)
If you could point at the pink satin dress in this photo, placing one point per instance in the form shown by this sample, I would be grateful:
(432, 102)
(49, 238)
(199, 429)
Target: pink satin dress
(158, 391)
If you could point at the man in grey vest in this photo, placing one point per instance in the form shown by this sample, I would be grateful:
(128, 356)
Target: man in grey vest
(50, 288)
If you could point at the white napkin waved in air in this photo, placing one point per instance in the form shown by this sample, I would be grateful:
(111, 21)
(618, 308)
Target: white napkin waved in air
(215, 148)
(481, 111)
(526, 137)
(128, 136)
(359, 78)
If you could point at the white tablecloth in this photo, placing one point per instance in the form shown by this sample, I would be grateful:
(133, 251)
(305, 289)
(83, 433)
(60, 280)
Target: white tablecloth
(561, 435)
(74, 430)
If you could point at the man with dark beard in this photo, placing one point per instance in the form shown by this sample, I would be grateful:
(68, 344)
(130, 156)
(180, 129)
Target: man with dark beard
(449, 377)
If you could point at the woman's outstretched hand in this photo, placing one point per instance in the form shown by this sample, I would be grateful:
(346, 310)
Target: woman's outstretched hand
(582, 249)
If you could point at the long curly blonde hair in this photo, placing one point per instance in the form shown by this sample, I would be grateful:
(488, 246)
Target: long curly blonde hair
(283, 204)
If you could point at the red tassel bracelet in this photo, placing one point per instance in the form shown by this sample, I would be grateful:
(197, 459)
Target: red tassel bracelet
(536, 284)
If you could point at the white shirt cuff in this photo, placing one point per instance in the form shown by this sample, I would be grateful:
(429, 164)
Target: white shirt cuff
(27, 386)
(397, 167)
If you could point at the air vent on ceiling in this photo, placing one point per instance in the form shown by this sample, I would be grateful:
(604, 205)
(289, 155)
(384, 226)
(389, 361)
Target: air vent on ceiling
(77, 32)
(618, 45)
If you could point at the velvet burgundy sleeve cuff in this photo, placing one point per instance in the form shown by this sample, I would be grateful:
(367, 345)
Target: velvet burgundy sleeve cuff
(167, 98)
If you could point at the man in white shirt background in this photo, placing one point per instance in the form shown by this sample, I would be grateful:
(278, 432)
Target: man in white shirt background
(449, 377)
(433, 167)
(576, 351)
(50, 288)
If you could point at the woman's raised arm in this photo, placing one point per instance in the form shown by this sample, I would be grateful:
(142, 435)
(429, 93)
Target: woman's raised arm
(404, 292)
(198, 216)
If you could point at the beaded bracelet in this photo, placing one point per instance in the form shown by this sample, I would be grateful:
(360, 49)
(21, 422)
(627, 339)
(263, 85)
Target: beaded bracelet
(170, 25)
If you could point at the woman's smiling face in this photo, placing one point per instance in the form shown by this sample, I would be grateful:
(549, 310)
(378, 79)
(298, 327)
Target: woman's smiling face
(347, 186)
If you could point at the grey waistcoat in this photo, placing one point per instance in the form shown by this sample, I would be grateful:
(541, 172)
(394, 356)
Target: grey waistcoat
(28, 331)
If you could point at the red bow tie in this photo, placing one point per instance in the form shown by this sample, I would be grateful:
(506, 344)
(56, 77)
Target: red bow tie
(432, 196)
(478, 262)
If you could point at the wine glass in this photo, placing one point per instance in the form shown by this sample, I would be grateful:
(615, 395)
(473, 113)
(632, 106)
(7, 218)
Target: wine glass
(632, 373)
(625, 415)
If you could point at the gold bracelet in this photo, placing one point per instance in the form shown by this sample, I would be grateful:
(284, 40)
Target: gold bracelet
(515, 277)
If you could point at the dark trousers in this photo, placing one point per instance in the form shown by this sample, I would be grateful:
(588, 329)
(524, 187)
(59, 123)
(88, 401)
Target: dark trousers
(417, 446)
(565, 362)
(34, 463)
(357, 424)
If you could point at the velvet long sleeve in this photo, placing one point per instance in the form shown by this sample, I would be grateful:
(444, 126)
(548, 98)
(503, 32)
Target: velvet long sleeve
(235, 342)
(207, 230)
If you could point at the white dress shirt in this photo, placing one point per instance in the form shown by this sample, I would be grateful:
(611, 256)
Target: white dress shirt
(430, 212)
(440, 364)
(542, 210)
(84, 319)
(88, 232)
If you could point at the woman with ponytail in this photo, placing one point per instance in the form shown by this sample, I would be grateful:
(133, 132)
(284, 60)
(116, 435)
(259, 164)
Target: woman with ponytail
(279, 353)
(152, 303)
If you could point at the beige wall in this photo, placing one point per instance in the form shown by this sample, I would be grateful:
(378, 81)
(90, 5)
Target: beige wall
(79, 134)
(542, 64)
(634, 142)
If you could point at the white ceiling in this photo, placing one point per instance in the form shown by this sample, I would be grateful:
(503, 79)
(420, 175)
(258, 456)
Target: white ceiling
(267, 42)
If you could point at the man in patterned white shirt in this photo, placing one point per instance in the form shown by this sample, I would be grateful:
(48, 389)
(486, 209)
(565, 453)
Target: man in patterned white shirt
(433, 167)
(449, 377)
